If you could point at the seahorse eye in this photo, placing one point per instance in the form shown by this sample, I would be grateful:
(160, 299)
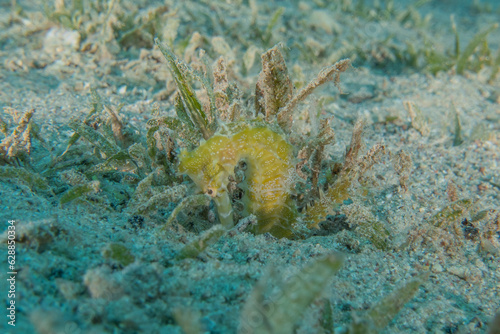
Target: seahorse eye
(211, 192)
(242, 165)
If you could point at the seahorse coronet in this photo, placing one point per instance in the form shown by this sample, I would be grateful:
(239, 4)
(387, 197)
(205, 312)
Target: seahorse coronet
(268, 174)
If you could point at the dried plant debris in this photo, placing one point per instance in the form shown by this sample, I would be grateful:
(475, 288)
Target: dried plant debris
(312, 155)
(381, 314)
(486, 225)
(367, 226)
(121, 152)
(418, 121)
(457, 225)
(104, 145)
(23, 176)
(330, 73)
(201, 242)
(326, 323)
(103, 129)
(274, 84)
(227, 96)
(79, 191)
(464, 58)
(118, 253)
(403, 165)
(189, 109)
(278, 309)
(452, 192)
(188, 202)
(16, 146)
(118, 154)
(340, 189)
(105, 29)
(427, 55)
(274, 93)
(495, 68)
(155, 191)
(452, 213)
(106, 26)
(457, 139)
(179, 129)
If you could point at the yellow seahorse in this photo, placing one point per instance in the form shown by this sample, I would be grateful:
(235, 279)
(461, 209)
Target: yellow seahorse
(268, 177)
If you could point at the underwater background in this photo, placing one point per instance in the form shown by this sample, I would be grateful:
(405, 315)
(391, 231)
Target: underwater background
(249, 166)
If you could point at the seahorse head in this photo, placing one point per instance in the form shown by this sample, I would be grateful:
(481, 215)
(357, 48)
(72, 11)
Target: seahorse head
(209, 165)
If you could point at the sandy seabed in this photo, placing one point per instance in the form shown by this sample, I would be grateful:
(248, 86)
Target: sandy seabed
(67, 281)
